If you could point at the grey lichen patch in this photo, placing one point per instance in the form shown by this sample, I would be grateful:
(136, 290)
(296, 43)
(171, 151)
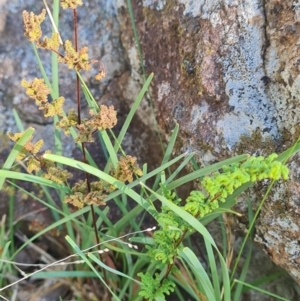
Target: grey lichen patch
(282, 62)
(156, 4)
(251, 110)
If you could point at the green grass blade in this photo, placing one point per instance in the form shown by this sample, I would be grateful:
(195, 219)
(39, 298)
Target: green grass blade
(261, 290)
(18, 121)
(4, 252)
(132, 112)
(202, 278)
(102, 213)
(213, 269)
(168, 153)
(82, 255)
(251, 226)
(14, 153)
(88, 99)
(42, 69)
(195, 164)
(230, 202)
(224, 236)
(185, 286)
(64, 274)
(55, 12)
(182, 165)
(147, 176)
(57, 137)
(225, 278)
(110, 149)
(265, 279)
(31, 178)
(103, 147)
(284, 156)
(50, 203)
(131, 215)
(203, 231)
(102, 175)
(96, 260)
(136, 37)
(94, 106)
(52, 226)
(11, 219)
(142, 240)
(139, 49)
(185, 216)
(204, 171)
(92, 103)
(239, 288)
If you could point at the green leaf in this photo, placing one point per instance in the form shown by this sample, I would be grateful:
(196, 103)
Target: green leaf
(202, 278)
(213, 269)
(132, 112)
(94, 106)
(18, 121)
(31, 178)
(261, 290)
(95, 259)
(102, 175)
(14, 153)
(86, 260)
(167, 153)
(204, 171)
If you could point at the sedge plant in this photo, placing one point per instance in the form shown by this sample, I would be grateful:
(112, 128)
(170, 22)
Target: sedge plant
(153, 272)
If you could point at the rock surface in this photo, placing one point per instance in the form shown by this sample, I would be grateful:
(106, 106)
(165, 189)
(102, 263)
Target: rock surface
(100, 32)
(228, 72)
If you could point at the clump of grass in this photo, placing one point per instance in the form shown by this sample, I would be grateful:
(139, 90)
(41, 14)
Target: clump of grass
(165, 264)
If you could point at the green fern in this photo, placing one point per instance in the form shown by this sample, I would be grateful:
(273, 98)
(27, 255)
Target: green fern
(153, 287)
(172, 228)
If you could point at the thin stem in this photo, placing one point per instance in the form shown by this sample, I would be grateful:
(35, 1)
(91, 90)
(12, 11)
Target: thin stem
(249, 231)
(52, 21)
(77, 77)
(87, 176)
(75, 29)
